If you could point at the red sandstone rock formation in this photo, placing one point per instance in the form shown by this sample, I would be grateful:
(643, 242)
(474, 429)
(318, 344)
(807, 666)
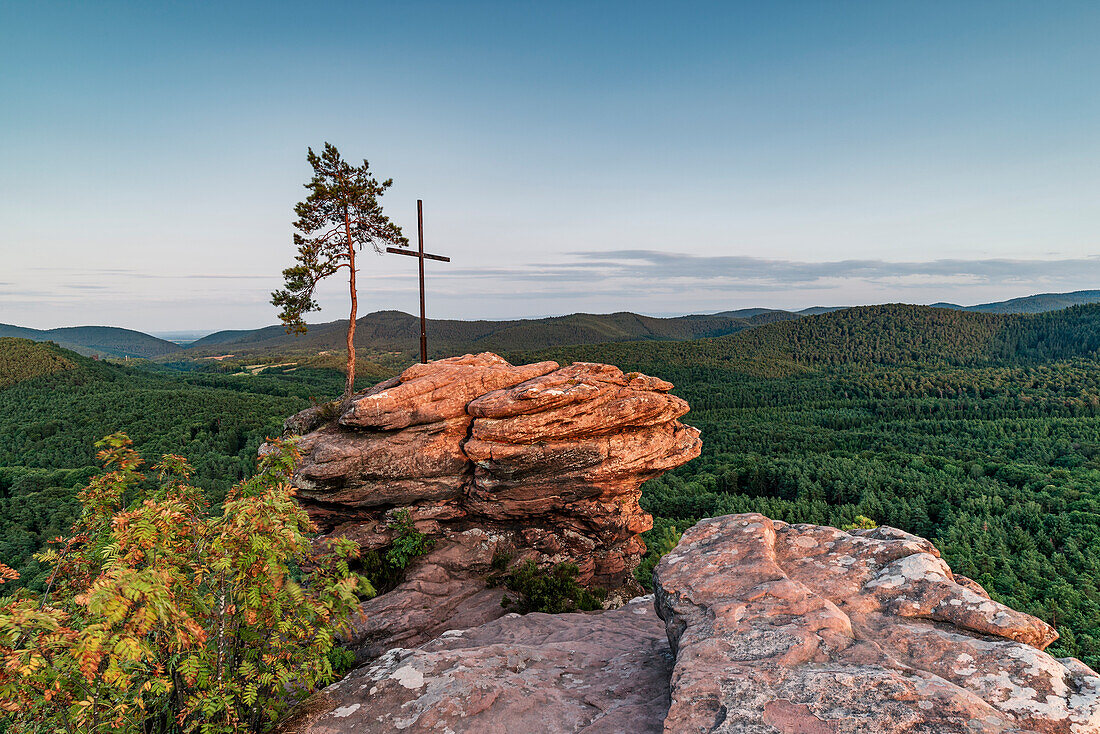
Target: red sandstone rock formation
(530, 461)
(800, 628)
(776, 628)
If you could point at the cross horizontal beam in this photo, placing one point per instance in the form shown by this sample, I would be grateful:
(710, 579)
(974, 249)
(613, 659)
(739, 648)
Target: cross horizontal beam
(414, 253)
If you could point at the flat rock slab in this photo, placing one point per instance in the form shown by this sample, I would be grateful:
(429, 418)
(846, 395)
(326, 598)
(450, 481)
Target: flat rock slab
(596, 673)
(802, 629)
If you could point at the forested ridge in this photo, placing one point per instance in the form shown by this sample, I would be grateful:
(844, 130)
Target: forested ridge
(890, 334)
(1037, 303)
(394, 330)
(978, 431)
(102, 341)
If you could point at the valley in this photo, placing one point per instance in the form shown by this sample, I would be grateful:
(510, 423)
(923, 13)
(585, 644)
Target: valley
(978, 431)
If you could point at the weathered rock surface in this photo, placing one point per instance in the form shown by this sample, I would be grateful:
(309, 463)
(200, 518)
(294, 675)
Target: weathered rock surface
(775, 628)
(440, 390)
(800, 628)
(598, 673)
(528, 462)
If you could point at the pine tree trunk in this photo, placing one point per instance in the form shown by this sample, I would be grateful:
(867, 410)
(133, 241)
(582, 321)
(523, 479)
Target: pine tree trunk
(349, 386)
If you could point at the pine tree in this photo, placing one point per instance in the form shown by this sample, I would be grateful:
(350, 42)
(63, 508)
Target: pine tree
(341, 214)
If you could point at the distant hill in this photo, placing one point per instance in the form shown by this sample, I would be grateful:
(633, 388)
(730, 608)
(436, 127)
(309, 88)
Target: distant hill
(890, 334)
(815, 310)
(748, 313)
(97, 341)
(768, 315)
(394, 330)
(23, 359)
(1038, 303)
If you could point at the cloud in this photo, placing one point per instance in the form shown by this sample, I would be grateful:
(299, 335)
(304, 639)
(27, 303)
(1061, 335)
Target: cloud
(143, 274)
(646, 281)
(618, 273)
(652, 264)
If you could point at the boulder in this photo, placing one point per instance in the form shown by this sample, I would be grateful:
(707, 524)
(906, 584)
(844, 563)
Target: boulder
(801, 628)
(437, 391)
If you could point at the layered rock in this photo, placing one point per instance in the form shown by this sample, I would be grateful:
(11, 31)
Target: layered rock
(800, 628)
(490, 460)
(775, 629)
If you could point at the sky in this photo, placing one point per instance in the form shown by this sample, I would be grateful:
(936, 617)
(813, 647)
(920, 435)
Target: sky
(663, 158)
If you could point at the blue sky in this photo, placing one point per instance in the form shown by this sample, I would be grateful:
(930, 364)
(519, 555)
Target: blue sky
(653, 157)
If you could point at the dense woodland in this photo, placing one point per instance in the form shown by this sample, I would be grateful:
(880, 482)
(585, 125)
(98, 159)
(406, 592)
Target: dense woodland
(978, 431)
(23, 360)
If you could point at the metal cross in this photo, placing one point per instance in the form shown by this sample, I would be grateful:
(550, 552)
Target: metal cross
(420, 255)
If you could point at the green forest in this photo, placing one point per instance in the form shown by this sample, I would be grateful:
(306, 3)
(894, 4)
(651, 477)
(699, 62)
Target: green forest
(979, 431)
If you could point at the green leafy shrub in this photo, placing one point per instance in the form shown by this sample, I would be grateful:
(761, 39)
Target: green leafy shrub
(408, 542)
(385, 568)
(553, 590)
(162, 618)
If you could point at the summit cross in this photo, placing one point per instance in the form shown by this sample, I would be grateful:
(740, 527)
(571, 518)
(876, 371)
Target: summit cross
(420, 255)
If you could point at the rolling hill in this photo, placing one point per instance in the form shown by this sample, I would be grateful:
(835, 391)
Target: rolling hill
(1038, 303)
(397, 331)
(97, 341)
(23, 359)
(891, 334)
(394, 331)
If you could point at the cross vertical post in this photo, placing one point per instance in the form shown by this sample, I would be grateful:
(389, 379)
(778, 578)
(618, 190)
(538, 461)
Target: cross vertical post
(420, 262)
(421, 256)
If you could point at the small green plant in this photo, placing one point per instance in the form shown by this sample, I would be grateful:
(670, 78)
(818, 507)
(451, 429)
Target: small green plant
(554, 590)
(501, 559)
(862, 522)
(408, 542)
(342, 660)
